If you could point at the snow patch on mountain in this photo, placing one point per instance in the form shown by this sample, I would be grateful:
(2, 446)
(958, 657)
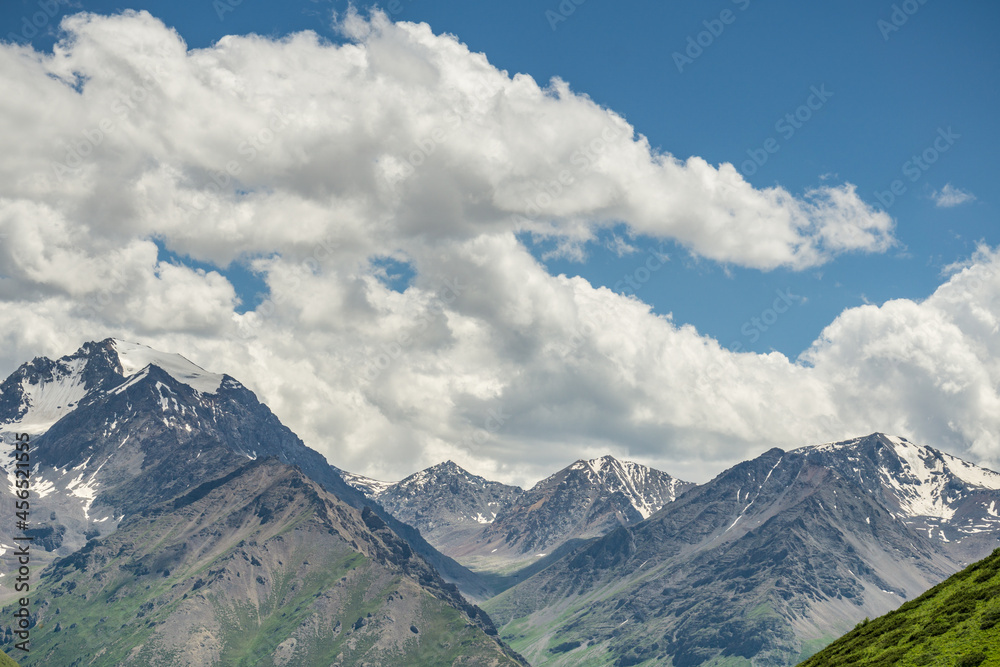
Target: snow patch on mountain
(134, 358)
(372, 488)
(972, 474)
(927, 487)
(921, 487)
(42, 487)
(930, 490)
(828, 446)
(86, 491)
(48, 402)
(636, 481)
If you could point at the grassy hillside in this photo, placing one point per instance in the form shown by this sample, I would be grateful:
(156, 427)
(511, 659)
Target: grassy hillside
(955, 624)
(6, 660)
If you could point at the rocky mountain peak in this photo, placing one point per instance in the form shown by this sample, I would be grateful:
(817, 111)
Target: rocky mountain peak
(646, 489)
(43, 391)
(134, 358)
(447, 503)
(585, 499)
(117, 426)
(940, 495)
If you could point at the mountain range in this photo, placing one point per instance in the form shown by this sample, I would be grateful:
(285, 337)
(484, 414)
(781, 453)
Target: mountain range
(764, 564)
(490, 526)
(782, 553)
(179, 522)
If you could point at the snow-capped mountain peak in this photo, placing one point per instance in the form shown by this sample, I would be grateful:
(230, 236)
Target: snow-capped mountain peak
(909, 464)
(597, 465)
(923, 487)
(135, 357)
(646, 489)
(115, 425)
(43, 391)
(585, 499)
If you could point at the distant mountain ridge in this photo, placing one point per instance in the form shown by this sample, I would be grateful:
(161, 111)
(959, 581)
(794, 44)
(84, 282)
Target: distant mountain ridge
(765, 563)
(448, 504)
(469, 517)
(583, 500)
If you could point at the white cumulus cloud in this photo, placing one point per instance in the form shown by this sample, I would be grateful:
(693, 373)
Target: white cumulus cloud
(310, 161)
(950, 196)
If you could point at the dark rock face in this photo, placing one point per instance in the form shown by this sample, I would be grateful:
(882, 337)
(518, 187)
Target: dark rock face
(789, 548)
(48, 538)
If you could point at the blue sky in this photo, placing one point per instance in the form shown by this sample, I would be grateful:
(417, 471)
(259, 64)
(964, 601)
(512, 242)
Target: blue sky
(891, 91)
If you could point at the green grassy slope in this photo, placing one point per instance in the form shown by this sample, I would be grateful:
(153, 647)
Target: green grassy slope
(955, 624)
(6, 660)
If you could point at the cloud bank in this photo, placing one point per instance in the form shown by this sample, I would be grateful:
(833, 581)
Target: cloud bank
(312, 162)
